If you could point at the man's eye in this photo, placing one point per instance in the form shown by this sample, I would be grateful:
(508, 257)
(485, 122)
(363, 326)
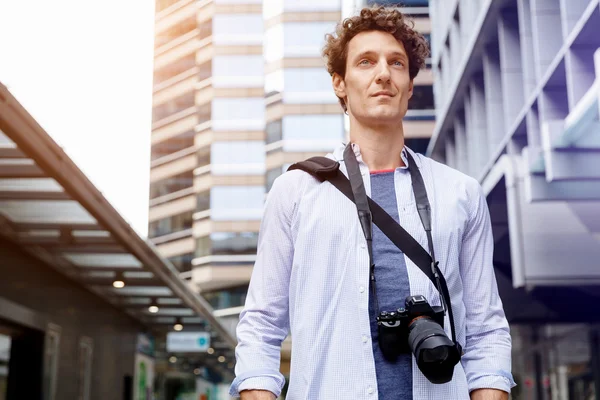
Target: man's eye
(364, 62)
(398, 63)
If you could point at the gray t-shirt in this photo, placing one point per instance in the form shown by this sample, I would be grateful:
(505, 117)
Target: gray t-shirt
(394, 380)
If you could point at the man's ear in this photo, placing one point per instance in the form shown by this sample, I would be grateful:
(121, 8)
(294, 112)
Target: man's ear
(410, 89)
(339, 86)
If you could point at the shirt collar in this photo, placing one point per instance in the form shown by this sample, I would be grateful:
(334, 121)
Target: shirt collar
(338, 154)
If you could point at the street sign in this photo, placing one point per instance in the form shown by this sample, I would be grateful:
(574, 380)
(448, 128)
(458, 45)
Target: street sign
(188, 342)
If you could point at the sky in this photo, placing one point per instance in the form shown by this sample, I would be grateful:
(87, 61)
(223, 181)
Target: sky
(83, 70)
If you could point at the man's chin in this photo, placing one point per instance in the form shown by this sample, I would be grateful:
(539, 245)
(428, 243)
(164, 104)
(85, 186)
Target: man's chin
(384, 118)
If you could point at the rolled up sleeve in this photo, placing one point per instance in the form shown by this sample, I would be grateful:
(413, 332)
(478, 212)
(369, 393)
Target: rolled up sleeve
(487, 350)
(264, 321)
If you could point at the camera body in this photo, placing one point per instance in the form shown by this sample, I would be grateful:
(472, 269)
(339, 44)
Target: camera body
(393, 326)
(418, 328)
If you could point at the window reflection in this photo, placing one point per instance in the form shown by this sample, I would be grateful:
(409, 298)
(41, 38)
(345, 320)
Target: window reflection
(205, 29)
(273, 131)
(232, 297)
(171, 224)
(203, 156)
(234, 243)
(180, 29)
(238, 152)
(204, 113)
(172, 145)
(173, 106)
(171, 184)
(227, 243)
(205, 71)
(236, 202)
(183, 263)
(203, 201)
(162, 4)
(173, 69)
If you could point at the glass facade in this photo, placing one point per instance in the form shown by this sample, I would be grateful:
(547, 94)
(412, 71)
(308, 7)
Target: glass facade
(171, 224)
(180, 29)
(178, 67)
(236, 203)
(232, 297)
(183, 263)
(227, 243)
(171, 184)
(172, 145)
(173, 106)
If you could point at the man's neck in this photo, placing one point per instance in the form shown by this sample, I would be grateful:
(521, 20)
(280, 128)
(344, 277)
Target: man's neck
(380, 146)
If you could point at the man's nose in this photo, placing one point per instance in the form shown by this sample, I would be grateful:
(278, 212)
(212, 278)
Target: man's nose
(383, 73)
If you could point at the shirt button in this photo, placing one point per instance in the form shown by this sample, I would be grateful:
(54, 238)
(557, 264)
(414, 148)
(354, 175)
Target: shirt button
(370, 390)
(361, 289)
(362, 246)
(365, 339)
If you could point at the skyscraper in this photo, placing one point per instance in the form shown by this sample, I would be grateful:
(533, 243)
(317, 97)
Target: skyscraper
(208, 151)
(517, 94)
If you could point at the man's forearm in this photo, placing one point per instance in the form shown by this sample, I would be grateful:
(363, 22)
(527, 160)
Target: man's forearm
(489, 394)
(257, 395)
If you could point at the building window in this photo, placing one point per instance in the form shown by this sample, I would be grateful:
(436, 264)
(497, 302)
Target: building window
(171, 224)
(238, 108)
(203, 246)
(173, 106)
(180, 66)
(236, 202)
(203, 201)
(313, 128)
(203, 157)
(227, 243)
(183, 263)
(204, 71)
(162, 4)
(171, 184)
(274, 131)
(176, 31)
(422, 98)
(204, 113)
(244, 157)
(232, 297)
(205, 29)
(173, 145)
(224, 243)
(227, 66)
(240, 29)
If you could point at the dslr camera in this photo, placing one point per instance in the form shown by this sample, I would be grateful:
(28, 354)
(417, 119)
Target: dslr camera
(418, 328)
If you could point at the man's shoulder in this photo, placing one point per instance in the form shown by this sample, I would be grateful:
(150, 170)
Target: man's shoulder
(294, 182)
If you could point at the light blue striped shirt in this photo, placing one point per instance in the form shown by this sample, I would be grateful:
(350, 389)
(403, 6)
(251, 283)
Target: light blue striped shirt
(311, 281)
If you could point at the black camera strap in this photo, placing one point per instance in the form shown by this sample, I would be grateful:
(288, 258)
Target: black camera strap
(370, 212)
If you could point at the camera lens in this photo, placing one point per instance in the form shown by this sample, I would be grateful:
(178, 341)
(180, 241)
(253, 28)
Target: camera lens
(435, 353)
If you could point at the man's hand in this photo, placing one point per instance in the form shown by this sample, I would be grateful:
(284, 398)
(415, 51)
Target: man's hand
(257, 395)
(489, 394)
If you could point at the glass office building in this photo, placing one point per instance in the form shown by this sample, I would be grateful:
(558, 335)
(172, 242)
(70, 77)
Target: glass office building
(516, 92)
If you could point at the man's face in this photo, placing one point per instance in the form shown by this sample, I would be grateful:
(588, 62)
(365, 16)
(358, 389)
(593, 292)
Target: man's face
(377, 84)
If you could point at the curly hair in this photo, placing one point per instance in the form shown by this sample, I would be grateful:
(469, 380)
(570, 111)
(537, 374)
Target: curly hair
(386, 19)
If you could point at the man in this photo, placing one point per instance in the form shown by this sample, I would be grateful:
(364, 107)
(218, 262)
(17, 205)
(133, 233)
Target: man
(311, 277)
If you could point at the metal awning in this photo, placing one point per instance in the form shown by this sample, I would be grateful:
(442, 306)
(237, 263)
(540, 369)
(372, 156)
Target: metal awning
(53, 211)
